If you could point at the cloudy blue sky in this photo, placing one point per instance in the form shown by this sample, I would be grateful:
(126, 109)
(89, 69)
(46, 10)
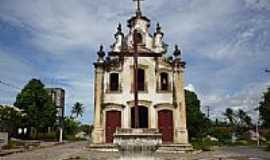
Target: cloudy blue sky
(226, 44)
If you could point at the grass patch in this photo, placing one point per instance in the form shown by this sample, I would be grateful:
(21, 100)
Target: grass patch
(45, 136)
(72, 138)
(267, 146)
(13, 145)
(204, 144)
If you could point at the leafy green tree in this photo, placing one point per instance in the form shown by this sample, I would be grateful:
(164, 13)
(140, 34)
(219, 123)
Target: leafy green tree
(10, 119)
(71, 126)
(77, 109)
(37, 104)
(197, 123)
(264, 109)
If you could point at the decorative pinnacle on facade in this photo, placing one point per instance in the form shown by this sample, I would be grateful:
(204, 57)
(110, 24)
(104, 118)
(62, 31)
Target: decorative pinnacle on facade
(158, 30)
(177, 52)
(119, 28)
(101, 53)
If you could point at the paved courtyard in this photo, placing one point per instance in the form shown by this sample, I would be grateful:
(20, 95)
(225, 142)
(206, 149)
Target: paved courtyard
(79, 151)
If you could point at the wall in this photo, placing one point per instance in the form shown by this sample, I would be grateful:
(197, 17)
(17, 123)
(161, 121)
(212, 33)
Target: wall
(3, 139)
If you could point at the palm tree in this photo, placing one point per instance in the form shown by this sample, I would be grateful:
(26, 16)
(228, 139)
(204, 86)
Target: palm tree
(230, 115)
(244, 119)
(241, 115)
(77, 109)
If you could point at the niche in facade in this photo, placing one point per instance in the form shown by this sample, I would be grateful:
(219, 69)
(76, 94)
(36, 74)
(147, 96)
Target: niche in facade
(164, 81)
(114, 82)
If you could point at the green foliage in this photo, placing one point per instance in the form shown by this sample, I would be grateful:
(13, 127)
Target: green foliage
(10, 119)
(244, 119)
(37, 104)
(266, 134)
(71, 126)
(52, 136)
(223, 134)
(240, 121)
(204, 144)
(14, 144)
(229, 114)
(197, 123)
(86, 128)
(77, 109)
(268, 146)
(264, 109)
(72, 138)
(10, 145)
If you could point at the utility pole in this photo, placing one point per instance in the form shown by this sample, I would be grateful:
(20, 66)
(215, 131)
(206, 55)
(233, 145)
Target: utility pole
(61, 131)
(257, 129)
(258, 121)
(208, 111)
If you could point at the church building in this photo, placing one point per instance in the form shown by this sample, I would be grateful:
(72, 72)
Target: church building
(160, 84)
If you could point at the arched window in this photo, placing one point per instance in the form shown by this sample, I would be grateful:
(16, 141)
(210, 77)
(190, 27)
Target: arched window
(114, 82)
(164, 81)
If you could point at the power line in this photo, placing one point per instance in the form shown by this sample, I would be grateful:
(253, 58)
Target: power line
(9, 85)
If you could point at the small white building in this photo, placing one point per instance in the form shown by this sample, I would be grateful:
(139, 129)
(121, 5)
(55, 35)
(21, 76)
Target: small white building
(161, 97)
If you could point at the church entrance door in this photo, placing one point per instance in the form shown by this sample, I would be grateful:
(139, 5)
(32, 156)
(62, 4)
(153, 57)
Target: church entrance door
(113, 121)
(165, 125)
(143, 117)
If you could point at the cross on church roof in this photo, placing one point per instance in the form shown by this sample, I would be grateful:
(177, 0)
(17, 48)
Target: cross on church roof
(138, 9)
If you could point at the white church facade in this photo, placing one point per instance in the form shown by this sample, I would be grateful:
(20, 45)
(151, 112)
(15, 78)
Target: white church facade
(160, 85)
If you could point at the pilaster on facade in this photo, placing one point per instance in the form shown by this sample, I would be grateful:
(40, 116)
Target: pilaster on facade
(98, 132)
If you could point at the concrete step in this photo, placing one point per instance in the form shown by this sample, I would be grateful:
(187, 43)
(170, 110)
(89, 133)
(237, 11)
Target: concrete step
(105, 147)
(175, 148)
(163, 148)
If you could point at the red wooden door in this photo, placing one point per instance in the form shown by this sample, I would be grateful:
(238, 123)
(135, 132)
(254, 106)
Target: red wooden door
(113, 121)
(165, 125)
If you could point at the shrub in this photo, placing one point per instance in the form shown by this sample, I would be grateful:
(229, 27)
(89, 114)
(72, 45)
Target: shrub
(204, 144)
(46, 136)
(71, 126)
(267, 146)
(10, 145)
(13, 144)
(71, 138)
(223, 134)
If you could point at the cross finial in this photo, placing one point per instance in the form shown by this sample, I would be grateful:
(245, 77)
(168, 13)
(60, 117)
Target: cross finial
(138, 9)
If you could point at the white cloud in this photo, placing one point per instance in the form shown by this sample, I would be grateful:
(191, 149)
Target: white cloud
(58, 26)
(225, 43)
(190, 87)
(258, 4)
(247, 99)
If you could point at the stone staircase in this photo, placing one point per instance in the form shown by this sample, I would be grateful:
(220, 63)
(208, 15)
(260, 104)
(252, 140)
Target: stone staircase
(104, 147)
(175, 148)
(163, 148)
